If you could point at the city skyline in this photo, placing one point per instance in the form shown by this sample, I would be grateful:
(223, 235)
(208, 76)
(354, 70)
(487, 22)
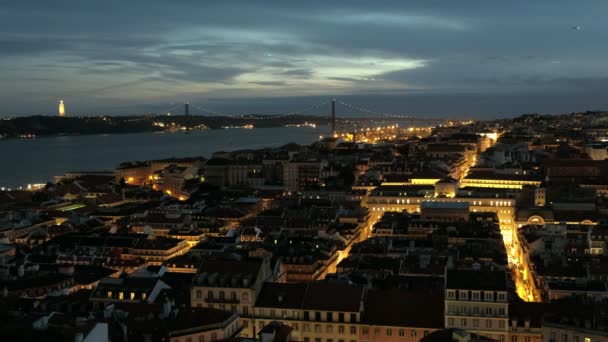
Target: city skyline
(312, 171)
(468, 59)
(487, 231)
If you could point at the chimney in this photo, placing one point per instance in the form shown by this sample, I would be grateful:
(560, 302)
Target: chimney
(461, 336)
(166, 307)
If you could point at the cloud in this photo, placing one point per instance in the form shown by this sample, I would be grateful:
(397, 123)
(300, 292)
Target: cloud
(271, 83)
(244, 49)
(295, 72)
(405, 20)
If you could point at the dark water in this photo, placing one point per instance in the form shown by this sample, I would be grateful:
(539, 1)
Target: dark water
(27, 161)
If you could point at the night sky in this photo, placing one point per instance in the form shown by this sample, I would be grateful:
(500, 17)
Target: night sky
(451, 58)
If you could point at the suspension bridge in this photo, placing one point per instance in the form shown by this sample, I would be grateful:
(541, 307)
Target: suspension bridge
(323, 110)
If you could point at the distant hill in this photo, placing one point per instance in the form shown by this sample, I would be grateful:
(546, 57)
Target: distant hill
(53, 125)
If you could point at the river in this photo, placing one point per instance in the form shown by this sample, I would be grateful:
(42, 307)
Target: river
(28, 161)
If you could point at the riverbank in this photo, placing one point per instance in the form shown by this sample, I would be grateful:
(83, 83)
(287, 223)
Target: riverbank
(32, 161)
(48, 126)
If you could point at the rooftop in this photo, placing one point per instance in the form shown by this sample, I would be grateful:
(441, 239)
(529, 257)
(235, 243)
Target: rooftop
(476, 280)
(323, 296)
(388, 308)
(444, 205)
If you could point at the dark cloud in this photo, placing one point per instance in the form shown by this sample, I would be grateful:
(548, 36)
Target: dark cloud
(301, 73)
(270, 83)
(201, 73)
(345, 79)
(144, 50)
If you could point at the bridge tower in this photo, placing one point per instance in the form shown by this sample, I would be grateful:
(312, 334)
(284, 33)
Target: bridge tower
(187, 116)
(333, 116)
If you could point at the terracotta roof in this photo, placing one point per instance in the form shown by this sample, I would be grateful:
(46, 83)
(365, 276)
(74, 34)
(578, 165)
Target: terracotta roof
(159, 243)
(90, 274)
(394, 307)
(499, 176)
(198, 319)
(476, 280)
(572, 163)
(333, 297)
(453, 148)
(428, 174)
(280, 331)
(323, 296)
(282, 295)
(247, 266)
(575, 215)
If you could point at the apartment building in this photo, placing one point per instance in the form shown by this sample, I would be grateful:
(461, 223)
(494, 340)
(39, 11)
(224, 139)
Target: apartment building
(477, 301)
(231, 285)
(317, 312)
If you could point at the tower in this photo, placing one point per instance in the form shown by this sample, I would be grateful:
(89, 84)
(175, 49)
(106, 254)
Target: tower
(333, 116)
(540, 193)
(187, 115)
(61, 108)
